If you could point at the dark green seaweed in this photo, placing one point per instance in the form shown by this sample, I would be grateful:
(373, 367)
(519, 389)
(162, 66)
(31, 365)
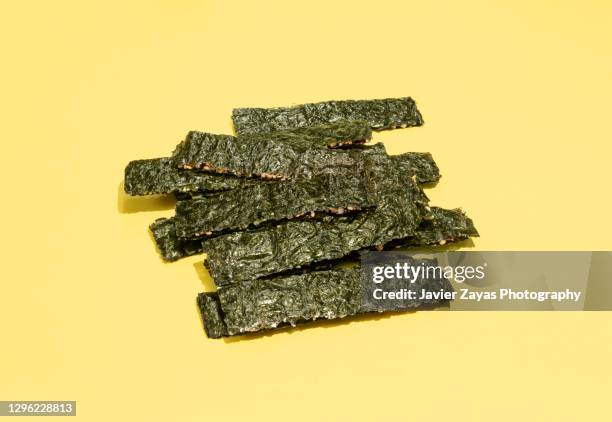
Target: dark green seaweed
(198, 194)
(401, 206)
(170, 246)
(239, 209)
(444, 226)
(419, 164)
(334, 135)
(212, 316)
(259, 157)
(349, 190)
(380, 114)
(158, 175)
(264, 304)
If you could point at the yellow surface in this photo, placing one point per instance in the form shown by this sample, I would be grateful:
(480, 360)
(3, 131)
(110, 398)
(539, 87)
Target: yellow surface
(516, 98)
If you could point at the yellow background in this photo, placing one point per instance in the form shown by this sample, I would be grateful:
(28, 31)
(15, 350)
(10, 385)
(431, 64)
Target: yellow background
(516, 98)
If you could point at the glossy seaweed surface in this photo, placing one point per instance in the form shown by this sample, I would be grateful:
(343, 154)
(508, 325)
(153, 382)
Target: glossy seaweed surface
(255, 305)
(388, 113)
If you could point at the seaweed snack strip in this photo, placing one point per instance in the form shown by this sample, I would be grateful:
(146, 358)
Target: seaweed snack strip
(170, 246)
(332, 135)
(240, 209)
(401, 206)
(444, 226)
(235, 205)
(158, 175)
(264, 304)
(389, 113)
(335, 193)
(212, 316)
(416, 164)
(419, 164)
(257, 156)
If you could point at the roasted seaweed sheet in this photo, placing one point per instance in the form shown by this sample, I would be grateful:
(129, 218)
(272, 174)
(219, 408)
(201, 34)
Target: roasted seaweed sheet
(159, 176)
(333, 135)
(345, 191)
(258, 156)
(401, 205)
(380, 114)
(212, 316)
(218, 212)
(444, 226)
(239, 209)
(170, 246)
(264, 304)
(419, 164)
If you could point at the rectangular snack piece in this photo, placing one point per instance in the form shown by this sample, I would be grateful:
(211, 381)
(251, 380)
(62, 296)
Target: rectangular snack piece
(173, 247)
(264, 304)
(331, 135)
(205, 215)
(401, 205)
(274, 201)
(444, 226)
(212, 316)
(262, 157)
(419, 164)
(243, 208)
(381, 114)
(170, 246)
(158, 175)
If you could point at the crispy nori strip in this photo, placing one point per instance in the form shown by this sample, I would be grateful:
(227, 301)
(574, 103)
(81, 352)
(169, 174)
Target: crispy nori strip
(401, 205)
(158, 175)
(445, 226)
(420, 164)
(257, 156)
(211, 212)
(381, 114)
(239, 209)
(255, 305)
(170, 246)
(212, 315)
(333, 135)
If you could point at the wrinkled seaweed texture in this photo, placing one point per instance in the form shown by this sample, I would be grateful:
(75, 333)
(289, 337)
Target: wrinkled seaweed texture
(258, 156)
(238, 209)
(400, 206)
(197, 194)
(232, 210)
(444, 226)
(389, 113)
(212, 316)
(255, 305)
(158, 176)
(327, 135)
(264, 304)
(419, 164)
(170, 246)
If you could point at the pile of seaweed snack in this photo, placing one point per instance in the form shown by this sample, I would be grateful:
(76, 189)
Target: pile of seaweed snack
(280, 205)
